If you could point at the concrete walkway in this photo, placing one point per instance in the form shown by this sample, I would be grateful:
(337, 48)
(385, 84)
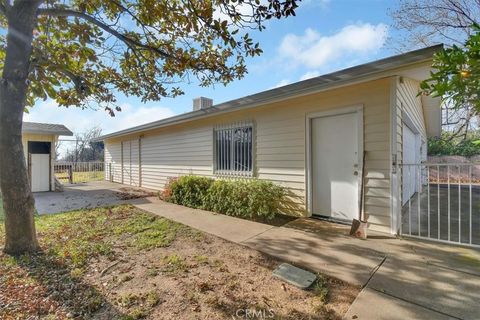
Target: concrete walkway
(401, 279)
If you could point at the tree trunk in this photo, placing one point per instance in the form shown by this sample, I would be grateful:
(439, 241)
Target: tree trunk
(18, 201)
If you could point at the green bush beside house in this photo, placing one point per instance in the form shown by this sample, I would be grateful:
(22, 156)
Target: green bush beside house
(447, 145)
(247, 198)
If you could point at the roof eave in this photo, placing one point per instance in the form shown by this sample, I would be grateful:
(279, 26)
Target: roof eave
(47, 132)
(294, 90)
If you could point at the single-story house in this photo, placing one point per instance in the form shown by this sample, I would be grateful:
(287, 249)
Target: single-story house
(311, 137)
(39, 141)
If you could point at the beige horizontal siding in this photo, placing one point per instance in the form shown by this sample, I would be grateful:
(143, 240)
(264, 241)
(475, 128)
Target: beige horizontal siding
(279, 144)
(171, 154)
(408, 96)
(113, 161)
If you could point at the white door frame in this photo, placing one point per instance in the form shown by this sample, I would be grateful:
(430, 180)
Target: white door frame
(358, 109)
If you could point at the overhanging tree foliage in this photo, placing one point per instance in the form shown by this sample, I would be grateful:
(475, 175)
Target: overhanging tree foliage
(427, 22)
(81, 52)
(457, 74)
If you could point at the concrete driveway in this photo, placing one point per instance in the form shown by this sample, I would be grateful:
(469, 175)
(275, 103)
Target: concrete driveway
(81, 196)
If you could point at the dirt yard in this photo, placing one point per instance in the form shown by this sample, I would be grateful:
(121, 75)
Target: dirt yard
(123, 263)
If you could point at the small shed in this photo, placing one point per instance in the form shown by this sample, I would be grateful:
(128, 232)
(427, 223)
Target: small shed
(39, 141)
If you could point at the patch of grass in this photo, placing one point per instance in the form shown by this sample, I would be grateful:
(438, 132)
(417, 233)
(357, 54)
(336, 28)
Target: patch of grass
(77, 273)
(152, 298)
(148, 231)
(70, 240)
(81, 176)
(320, 289)
(174, 264)
(139, 305)
(8, 261)
(201, 259)
(80, 235)
(152, 272)
(138, 313)
(128, 300)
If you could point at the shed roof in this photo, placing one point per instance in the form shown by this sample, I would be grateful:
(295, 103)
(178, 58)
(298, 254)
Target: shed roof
(361, 72)
(46, 128)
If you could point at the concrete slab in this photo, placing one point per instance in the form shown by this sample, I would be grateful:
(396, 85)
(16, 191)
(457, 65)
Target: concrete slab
(371, 304)
(78, 196)
(295, 276)
(441, 289)
(229, 228)
(464, 259)
(338, 256)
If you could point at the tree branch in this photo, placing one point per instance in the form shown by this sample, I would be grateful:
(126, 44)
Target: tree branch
(60, 12)
(3, 7)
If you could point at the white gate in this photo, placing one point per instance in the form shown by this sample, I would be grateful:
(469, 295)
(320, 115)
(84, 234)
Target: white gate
(446, 204)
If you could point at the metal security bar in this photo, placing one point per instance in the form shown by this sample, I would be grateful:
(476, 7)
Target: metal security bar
(441, 201)
(77, 172)
(234, 150)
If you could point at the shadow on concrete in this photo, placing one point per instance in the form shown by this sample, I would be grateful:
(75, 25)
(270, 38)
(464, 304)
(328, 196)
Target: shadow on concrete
(442, 278)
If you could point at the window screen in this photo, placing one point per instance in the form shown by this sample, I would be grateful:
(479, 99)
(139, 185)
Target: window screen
(233, 150)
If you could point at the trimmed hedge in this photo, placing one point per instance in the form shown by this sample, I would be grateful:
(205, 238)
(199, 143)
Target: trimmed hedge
(249, 198)
(189, 191)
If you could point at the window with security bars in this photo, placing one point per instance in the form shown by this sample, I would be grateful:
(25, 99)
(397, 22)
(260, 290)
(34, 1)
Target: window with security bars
(233, 150)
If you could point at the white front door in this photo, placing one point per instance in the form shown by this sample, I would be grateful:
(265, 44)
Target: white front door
(335, 166)
(40, 165)
(411, 155)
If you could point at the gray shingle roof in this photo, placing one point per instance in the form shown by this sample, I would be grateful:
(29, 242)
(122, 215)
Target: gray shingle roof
(46, 128)
(303, 87)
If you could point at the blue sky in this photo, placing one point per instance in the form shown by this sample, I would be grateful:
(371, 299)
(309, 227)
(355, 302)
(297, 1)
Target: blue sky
(326, 35)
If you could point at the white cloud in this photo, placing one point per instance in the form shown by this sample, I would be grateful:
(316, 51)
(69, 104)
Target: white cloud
(79, 120)
(281, 83)
(309, 74)
(314, 50)
(244, 9)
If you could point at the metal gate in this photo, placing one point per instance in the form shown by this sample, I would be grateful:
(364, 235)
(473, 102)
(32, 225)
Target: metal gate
(78, 172)
(446, 204)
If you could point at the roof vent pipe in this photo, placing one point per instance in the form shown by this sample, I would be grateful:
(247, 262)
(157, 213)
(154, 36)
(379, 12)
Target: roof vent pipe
(202, 103)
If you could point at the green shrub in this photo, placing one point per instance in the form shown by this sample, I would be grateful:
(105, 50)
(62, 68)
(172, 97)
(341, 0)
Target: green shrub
(446, 145)
(242, 198)
(189, 191)
(245, 198)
